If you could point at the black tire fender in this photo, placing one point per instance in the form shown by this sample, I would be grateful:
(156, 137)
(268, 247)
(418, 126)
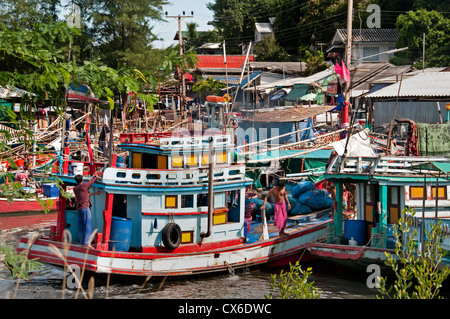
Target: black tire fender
(171, 235)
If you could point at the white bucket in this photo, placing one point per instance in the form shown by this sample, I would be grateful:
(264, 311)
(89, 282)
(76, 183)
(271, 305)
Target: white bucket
(77, 168)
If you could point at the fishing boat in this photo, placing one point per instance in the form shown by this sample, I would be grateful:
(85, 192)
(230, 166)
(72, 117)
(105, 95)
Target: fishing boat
(174, 207)
(34, 196)
(29, 205)
(384, 185)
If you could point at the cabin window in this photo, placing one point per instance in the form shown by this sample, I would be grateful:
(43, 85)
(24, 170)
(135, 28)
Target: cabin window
(187, 237)
(137, 160)
(171, 201)
(205, 158)
(221, 157)
(369, 194)
(220, 217)
(416, 192)
(153, 161)
(202, 200)
(220, 200)
(394, 204)
(442, 192)
(187, 201)
(192, 160)
(393, 196)
(177, 161)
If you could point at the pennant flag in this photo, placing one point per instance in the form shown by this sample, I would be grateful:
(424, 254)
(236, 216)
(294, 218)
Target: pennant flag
(338, 69)
(88, 139)
(345, 73)
(340, 97)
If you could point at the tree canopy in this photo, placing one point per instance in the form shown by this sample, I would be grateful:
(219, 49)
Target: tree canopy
(412, 26)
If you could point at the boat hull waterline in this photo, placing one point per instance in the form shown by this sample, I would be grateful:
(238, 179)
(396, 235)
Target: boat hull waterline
(275, 251)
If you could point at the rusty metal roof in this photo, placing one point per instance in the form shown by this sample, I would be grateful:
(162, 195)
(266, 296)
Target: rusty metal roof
(293, 114)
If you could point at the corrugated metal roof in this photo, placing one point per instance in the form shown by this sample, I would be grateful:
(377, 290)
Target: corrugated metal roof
(294, 114)
(370, 35)
(422, 84)
(217, 61)
(263, 27)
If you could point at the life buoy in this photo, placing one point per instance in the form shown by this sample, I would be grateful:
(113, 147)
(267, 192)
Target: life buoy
(171, 235)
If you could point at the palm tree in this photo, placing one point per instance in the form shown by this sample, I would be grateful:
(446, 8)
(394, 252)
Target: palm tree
(193, 39)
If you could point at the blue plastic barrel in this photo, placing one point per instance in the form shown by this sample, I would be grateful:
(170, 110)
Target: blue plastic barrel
(390, 239)
(72, 224)
(356, 229)
(120, 159)
(120, 237)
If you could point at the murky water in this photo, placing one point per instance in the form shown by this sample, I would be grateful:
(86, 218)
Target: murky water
(333, 281)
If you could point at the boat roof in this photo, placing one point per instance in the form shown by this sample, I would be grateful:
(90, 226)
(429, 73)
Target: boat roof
(399, 170)
(165, 143)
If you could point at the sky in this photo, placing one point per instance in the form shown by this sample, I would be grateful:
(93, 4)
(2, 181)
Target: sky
(167, 30)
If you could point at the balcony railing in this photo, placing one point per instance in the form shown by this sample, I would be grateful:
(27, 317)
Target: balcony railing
(114, 175)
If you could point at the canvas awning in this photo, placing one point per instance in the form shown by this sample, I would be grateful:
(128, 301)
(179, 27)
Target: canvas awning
(309, 97)
(437, 167)
(298, 90)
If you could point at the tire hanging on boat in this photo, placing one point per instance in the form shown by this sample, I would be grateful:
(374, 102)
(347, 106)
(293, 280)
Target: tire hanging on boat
(171, 235)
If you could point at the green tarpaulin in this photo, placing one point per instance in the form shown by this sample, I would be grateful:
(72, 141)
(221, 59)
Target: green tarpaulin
(297, 91)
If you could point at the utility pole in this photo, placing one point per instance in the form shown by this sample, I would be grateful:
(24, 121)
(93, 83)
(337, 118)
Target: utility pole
(423, 53)
(348, 53)
(180, 36)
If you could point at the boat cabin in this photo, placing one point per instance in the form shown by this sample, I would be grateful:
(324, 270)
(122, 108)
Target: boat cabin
(384, 187)
(167, 198)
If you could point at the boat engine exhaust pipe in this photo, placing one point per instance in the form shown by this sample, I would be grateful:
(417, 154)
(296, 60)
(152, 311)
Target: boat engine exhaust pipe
(210, 189)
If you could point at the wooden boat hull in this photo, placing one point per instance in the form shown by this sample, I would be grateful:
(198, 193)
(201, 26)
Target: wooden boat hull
(23, 206)
(350, 256)
(275, 251)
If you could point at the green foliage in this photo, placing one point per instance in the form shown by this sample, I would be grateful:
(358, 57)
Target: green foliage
(18, 263)
(209, 86)
(235, 20)
(294, 284)
(412, 26)
(418, 273)
(315, 62)
(122, 31)
(269, 50)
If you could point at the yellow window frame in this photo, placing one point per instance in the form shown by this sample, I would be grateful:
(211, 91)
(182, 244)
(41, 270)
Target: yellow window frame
(171, 201)
(221, 157)
(177, 161)
(192, 159)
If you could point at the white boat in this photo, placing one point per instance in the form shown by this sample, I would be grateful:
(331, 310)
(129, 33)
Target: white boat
(176, 209)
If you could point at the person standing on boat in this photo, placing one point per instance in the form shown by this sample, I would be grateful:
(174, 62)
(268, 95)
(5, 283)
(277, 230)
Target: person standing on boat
(279, 195)
(83, 206)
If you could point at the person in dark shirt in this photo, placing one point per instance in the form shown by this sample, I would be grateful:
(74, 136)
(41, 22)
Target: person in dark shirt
(83, 206)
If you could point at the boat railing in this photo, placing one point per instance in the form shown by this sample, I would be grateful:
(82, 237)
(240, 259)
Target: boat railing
(144, 177)
(143, 137)
(177, 138)
(201, 141)
(378, 165)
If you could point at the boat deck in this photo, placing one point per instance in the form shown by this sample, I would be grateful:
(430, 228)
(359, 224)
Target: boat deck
(294, 223)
